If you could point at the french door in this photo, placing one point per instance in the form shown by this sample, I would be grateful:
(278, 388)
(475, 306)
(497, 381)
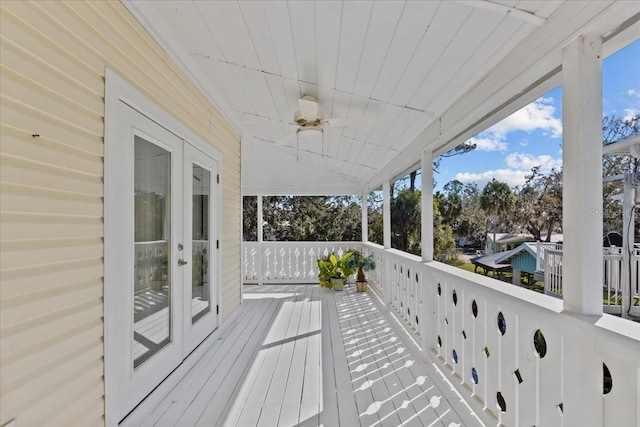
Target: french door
(163, 293)
(200, 307)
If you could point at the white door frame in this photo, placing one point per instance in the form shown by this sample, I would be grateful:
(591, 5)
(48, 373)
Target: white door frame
(118, 92)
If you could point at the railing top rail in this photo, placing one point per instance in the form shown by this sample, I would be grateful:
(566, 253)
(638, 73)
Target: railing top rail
(305, 243)
(502, 290)
(554, 251)
(373, 245)
(402, 254)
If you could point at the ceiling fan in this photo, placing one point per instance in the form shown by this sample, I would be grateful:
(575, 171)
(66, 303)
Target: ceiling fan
(309, 118)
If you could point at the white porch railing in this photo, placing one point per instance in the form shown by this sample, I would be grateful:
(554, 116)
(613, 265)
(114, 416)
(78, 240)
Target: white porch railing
(510, 350)
(397, 278)
(612, 282)
(552, 268)
(287, 262)
(543, 247)
(151, 259)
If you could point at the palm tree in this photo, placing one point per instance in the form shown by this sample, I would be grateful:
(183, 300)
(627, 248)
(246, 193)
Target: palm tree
(496, 200)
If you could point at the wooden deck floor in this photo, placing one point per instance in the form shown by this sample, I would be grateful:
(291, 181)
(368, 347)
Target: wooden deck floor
(301, 355)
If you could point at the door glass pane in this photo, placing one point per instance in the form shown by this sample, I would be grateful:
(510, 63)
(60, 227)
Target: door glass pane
(200, 299)
(152, 226)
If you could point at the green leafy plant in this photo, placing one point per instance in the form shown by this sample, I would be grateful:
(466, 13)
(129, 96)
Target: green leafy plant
(333, 267)
(357, 261)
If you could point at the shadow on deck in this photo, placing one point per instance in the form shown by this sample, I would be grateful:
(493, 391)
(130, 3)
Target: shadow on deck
(301, 355)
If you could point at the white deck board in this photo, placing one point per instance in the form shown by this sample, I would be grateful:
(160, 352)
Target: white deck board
(301, 355)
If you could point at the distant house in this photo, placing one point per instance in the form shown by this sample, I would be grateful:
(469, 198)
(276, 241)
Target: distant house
(521, 260)
(507, 241)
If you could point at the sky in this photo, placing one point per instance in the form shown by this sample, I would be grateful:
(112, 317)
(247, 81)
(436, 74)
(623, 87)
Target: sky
(533, 135)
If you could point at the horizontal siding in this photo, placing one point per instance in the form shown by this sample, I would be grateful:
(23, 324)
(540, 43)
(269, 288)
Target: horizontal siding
(524, 262)
(52, 61)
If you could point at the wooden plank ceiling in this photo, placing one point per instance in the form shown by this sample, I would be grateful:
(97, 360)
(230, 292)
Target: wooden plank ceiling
(401, 64)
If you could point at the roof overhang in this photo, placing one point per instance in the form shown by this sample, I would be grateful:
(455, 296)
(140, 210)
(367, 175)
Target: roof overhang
(430, 75)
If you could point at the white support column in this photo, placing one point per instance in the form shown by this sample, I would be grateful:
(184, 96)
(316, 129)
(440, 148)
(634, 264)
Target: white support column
(386, 227)
(365, 218)
(260, 240)
(582, 226)
(386, 214)
(427, 206)
(427, 327)
(582, 176)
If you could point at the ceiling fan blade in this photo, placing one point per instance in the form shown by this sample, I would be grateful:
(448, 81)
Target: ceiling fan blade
(286, 139)
(343, 122)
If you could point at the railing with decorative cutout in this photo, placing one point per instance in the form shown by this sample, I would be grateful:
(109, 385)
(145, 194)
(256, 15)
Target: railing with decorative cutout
(522, 358)
(287, 262)
(151, 265)
(509, 351)
(399, 283)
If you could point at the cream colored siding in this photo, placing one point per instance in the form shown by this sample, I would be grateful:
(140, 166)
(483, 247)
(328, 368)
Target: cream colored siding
(53, 59)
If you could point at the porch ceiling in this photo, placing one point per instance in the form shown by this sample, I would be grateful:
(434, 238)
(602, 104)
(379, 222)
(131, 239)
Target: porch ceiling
(428, 74)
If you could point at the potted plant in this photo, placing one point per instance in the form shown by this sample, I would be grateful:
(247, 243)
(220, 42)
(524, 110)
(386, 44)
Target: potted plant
(333, 272)
(359, 262)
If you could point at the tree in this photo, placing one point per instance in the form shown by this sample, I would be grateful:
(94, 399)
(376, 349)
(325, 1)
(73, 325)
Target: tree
(496, 200)
(250, 218)
(405, 221)
(463, 148)
(309, 218)
(473, 219)
(539, 203)
(451, 203)
(444, 246)
(615, 129)
(374, 201)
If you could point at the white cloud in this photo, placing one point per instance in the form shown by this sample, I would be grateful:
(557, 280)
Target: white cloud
(539, 115)
(518, 166)
(630, 113)
(509, 176)
(488, 143)
(633, 92)
(525, 162)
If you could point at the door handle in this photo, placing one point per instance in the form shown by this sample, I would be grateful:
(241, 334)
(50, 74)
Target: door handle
(182, 262)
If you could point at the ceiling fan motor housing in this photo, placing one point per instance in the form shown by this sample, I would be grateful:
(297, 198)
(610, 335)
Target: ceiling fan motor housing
(303, 121)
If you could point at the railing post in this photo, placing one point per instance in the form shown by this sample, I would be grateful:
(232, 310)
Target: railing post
(547, 272)
(427, 326)
(582, 225)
